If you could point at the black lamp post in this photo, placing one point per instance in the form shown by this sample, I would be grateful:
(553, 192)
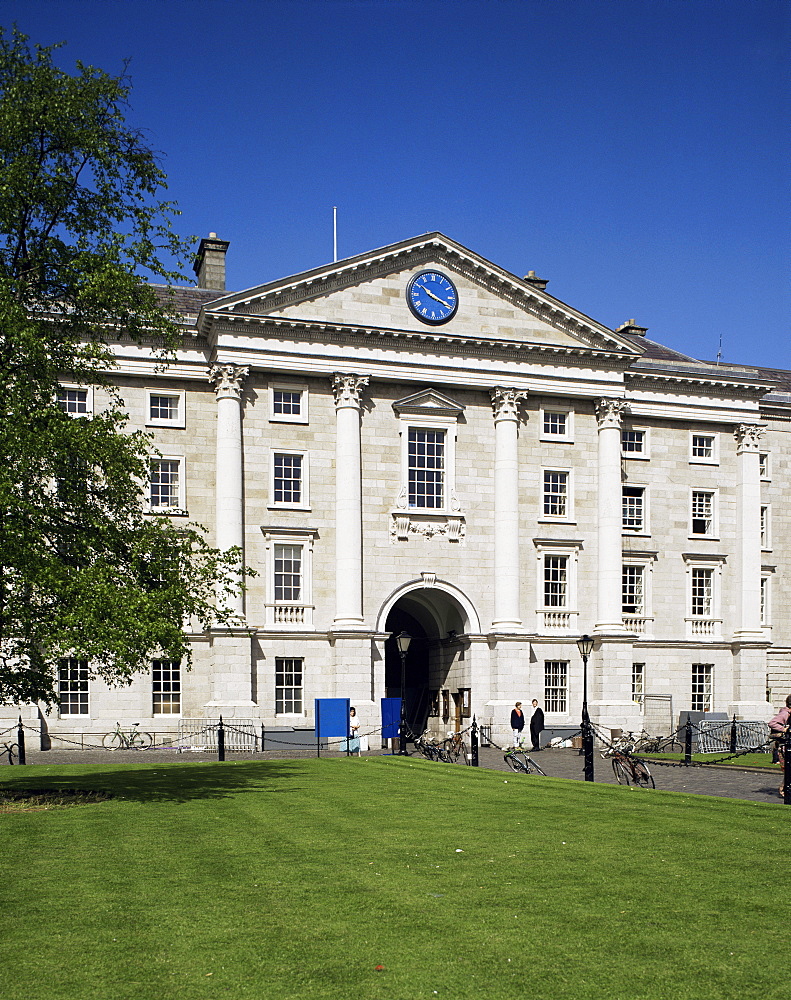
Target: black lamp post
(585, 645)
(403, 640)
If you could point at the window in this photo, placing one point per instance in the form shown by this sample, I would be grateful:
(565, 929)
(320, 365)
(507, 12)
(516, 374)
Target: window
(702, 677)
(632, 599)
(556, 494)
(766, 541)
(638, 682)
(288, 403)
(555, 581)
(166, 687)
(763, 465)
(426, 468)
(703, 513)
(765, 616)
(166, 490)
(702, 603)
(555, 685)
(73, 686)
(703, 448)
(556, 425)
(633, 501)
(164, 408)
(288, 685)
(289, 479)
(703, 596)
(72, 400)
(634, 443)
(288, 572)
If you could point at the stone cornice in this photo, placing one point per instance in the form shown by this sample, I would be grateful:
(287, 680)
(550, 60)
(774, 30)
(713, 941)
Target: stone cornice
(703, 381)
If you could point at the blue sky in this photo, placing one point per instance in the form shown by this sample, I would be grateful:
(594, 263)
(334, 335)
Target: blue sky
(633, 152)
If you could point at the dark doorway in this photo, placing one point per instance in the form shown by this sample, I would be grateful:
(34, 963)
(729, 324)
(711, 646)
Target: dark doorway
(416, 699)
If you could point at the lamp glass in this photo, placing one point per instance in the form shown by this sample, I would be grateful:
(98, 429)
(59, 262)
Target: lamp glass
(585, 645)
(403, 641)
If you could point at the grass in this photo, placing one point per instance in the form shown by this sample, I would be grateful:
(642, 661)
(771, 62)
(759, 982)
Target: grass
(296, 879)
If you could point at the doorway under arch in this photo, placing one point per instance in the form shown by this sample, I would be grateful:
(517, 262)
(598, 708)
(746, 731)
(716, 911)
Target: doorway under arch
(436, 669)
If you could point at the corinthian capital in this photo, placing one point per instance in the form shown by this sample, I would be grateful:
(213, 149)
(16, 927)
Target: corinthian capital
(505, 402)
(748, 437)
(347, 389)
(609, 412)
(228, 380)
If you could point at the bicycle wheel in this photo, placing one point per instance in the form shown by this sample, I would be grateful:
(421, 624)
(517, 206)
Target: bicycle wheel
(621, 771)
(516, 763)
(144, 741)
(443, 755)
(465, 753)
(532, 766)
(113, 741)
(642, 776)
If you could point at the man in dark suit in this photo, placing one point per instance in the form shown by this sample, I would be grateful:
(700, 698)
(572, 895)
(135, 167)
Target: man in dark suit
(536, 725)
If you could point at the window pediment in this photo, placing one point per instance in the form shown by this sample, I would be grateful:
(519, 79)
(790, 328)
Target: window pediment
(429, 402)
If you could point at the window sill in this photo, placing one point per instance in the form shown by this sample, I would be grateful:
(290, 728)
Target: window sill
(289, 506)
(557, 520)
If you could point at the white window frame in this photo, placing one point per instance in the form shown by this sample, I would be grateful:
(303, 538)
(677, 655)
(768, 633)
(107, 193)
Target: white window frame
(289, 418)
(289, 615)
(73, 387)
(557, 619)
(641, 622)
(559, 690)
(181, 507)
(766, 526)
(765, 466)
(638, 684)
(704, 626)
(714, 458)
(64, 687)
(707, 694)
(766, 600)
(567, 437)
(174, 688)
(569, 495)
(644, 528)
(449, 427)
(304, 503)
(643, 455)
(179, 420)
(301, 687)
(715, 511)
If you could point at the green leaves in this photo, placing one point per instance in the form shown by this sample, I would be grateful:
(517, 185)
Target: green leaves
(84, 570)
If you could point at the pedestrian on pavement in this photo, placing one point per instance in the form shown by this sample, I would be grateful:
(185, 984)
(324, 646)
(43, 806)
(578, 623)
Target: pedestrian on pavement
(778, 727)
(536, 725)
(517, 723)
(354, 733)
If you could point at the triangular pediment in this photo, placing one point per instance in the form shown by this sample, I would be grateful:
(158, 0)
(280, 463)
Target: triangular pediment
(429, 401)
(369, 292)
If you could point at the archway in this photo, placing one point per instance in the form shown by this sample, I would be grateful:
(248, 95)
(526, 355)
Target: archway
(439, 618)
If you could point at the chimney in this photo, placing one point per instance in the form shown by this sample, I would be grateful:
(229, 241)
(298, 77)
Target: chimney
(540, 283)
(631, 329)
(209, 263)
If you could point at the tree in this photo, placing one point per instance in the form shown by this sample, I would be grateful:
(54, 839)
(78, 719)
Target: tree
(84, 570)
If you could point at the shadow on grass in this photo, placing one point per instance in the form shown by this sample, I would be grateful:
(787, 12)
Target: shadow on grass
(164, 782)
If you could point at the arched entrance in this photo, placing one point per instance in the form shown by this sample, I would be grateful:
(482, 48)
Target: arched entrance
(437, 669)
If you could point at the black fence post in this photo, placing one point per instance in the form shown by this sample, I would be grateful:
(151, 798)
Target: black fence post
(263, 738)
(732, 744)
(474, 743)
(20, 739)
(786, 768)
(220, 741)
(688, 742)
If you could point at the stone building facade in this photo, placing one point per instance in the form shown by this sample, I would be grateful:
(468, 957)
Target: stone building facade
(417, 440)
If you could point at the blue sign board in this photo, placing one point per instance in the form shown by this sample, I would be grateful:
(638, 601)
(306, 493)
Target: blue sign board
(391, 718)
(332, 717)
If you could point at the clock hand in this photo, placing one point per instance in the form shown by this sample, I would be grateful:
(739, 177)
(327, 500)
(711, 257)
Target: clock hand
(436, 298)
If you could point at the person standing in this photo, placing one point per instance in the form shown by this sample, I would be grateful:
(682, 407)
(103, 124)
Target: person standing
(354, 732)
(536, 725)
(517, 722)
(778, 726)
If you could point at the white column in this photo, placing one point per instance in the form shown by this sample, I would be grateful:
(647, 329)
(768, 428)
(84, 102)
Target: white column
(228, 381)
(505, 403)
(348, 501)
(610, 518)
(748, 532)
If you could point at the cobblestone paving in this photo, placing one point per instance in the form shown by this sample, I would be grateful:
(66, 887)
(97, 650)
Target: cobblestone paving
(725, 782)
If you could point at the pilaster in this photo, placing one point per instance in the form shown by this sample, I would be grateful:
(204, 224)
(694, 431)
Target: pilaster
(610, 517)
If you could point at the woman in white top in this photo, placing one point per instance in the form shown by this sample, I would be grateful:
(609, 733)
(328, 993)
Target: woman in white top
(354, 732)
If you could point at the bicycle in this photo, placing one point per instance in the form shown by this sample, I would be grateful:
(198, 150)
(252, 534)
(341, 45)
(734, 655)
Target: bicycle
(430, 749)
(628, 769)
(8, 749)
(520, 761)
(456, 746)
(135, 739)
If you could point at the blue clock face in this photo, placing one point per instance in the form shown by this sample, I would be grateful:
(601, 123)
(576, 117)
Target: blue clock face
(432, 297)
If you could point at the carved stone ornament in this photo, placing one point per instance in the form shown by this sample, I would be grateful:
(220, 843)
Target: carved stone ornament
(748, 437)
(609, 412)
(402, 501)
(404, 525)
(347, 389)
(228, 380)
(506, 402)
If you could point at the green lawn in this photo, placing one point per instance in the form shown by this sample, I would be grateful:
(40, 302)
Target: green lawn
(296, 879)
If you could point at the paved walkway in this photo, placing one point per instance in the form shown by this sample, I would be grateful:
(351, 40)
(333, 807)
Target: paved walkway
(725, 782)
